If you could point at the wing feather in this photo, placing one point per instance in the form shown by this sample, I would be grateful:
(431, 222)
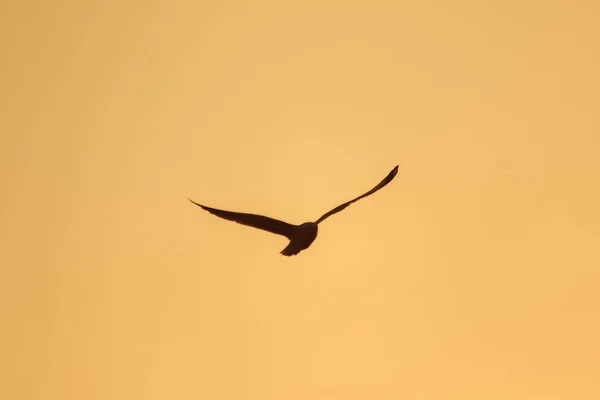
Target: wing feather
(381, 184)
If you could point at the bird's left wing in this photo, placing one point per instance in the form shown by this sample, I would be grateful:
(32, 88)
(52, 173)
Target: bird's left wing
(381, 184)
(253, 220)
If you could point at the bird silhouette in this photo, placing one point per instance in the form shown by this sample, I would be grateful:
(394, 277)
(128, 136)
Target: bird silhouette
(300, 236)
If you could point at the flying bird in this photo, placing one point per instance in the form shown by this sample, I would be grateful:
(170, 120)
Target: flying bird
(300, 236)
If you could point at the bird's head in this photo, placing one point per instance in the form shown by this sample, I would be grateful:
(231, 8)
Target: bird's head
(309, 226)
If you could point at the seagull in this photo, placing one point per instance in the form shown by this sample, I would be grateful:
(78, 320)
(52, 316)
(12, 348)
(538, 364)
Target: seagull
(300, 236)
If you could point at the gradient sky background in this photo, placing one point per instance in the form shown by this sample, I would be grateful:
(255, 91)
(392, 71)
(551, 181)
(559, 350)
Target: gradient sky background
(473, 275)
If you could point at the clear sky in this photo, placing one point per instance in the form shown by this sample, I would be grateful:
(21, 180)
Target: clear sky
(473, 275)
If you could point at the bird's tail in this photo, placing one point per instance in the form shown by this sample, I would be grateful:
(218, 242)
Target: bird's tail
(291, 250)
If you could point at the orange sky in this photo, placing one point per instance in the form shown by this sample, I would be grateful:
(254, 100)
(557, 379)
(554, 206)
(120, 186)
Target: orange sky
(473, 275)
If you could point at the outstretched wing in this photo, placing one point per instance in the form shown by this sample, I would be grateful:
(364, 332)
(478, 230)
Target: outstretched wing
(253, 220)
(381, 184)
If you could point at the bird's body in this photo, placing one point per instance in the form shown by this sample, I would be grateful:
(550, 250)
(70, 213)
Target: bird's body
(300, 236)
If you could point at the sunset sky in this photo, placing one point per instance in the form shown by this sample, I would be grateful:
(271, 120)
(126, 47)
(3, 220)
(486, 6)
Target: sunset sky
(474, 275)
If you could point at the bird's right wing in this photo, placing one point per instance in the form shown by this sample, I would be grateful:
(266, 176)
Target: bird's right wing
(253, 220)
(380, 185)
